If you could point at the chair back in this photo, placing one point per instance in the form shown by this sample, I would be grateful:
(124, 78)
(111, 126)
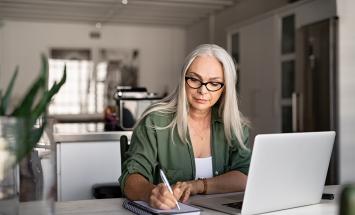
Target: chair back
(124, 148)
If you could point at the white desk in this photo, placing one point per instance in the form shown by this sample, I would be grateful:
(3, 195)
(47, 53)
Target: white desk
(114, 207)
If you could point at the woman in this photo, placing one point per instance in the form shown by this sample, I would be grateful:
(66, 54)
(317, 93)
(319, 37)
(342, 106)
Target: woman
(196, 135)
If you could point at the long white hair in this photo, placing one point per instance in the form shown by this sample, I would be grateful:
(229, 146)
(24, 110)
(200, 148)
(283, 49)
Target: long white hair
(177, 104)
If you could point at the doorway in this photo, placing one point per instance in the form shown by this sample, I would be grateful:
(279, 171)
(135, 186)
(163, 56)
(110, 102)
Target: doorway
(314, 102)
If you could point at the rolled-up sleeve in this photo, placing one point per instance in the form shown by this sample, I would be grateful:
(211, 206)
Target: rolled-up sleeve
(142, 153)
(240, 157)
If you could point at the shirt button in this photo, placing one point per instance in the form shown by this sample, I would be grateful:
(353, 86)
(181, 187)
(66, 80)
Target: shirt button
(216, 172)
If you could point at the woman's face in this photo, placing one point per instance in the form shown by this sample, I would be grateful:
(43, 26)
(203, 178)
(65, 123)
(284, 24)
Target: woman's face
(204, 69)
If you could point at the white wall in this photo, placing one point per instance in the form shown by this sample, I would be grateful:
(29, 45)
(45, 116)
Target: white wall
(162, 49)
(260, 76)
(243, 10)
(346, 80)
(248, 11)
(314, 10)
(197, 34)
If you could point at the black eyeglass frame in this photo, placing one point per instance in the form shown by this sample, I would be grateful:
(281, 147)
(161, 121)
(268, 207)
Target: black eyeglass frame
(203, 83)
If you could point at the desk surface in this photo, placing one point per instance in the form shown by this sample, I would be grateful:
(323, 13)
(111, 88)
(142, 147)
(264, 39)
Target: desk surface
(114, 207)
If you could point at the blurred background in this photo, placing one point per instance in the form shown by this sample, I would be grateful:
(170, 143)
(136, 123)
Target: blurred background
(295, 67)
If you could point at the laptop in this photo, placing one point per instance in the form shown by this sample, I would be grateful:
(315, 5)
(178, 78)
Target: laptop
(286, 171)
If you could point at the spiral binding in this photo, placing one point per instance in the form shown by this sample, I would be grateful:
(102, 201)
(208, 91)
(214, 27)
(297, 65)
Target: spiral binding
(135, 208)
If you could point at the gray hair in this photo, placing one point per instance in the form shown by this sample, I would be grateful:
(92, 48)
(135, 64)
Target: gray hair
(176, 103)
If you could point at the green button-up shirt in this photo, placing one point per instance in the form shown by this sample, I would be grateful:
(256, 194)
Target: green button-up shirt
(151, 148)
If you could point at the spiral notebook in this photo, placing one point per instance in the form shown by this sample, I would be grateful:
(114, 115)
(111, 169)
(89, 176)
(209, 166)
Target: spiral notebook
(142, 208)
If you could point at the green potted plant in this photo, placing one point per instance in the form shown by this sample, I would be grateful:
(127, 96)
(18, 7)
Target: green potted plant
(19, 133)
(347, 200)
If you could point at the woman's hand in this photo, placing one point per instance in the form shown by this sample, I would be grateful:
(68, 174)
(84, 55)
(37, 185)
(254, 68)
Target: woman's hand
(161, 198)
(183, 190)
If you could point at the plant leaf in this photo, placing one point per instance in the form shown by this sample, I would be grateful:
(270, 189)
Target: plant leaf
(47, 96)
(24, 109)
(29, 139)
(25, 105)
(0, 98)
(44, 68)
(28, 136)
(5, 100)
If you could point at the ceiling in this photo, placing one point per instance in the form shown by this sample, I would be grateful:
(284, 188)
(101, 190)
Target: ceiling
(157, 12)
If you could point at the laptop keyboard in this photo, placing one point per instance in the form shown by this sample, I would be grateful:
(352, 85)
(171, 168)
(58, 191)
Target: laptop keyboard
(236, 205)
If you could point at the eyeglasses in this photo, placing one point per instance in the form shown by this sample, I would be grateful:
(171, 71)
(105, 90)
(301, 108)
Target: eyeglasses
(194, 83)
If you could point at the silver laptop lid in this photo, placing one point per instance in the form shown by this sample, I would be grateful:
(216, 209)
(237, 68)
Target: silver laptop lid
(287, 170)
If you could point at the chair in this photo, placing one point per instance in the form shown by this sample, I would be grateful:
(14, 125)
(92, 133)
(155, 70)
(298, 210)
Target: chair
(112, 190)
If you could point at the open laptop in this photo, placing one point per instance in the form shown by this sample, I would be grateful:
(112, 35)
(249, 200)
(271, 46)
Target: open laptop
(286, 171)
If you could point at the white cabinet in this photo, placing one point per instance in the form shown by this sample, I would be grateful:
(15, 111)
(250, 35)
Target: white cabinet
(84, 160)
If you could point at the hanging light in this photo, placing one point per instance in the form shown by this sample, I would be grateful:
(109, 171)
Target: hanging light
(98, 25)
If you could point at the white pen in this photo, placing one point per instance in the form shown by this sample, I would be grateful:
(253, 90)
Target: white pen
(166, 182)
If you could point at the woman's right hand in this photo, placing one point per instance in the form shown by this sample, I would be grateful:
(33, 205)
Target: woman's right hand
(161, 198)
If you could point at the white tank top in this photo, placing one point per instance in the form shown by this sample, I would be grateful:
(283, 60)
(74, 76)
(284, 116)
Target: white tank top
(204, 167)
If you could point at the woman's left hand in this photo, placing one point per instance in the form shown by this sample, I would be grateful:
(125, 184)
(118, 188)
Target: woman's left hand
(183, 190)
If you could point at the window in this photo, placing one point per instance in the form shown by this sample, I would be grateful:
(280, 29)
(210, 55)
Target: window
(77, 95)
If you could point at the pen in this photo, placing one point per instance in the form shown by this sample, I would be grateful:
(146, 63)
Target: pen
(166, 182)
